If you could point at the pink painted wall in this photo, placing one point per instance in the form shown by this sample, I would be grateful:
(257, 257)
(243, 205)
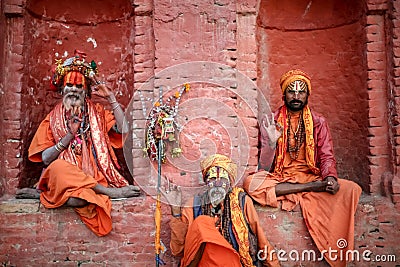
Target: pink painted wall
(327, 40)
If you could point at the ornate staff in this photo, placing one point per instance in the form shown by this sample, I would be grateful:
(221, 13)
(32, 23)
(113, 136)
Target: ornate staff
(157, 215)
(160, 126)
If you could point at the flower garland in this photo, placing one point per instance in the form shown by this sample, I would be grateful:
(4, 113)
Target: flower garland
(161, 125)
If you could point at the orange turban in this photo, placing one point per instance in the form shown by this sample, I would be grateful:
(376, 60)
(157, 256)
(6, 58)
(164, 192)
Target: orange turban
(220, 161)
(295, 75)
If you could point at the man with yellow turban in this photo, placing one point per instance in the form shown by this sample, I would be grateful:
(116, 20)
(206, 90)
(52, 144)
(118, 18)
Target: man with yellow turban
(297, 141)
(76, 143)
(220, 226)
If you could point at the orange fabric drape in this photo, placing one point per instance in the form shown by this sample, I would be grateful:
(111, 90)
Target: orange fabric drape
(99, 139)
(63, 179)
(328, 217)
(217, 251)
(282, 141)
(44, 138)
(239, 226)
(181, 232)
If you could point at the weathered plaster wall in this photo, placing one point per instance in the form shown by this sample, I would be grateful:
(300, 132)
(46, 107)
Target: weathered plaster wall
(104, 30)
(327, 40)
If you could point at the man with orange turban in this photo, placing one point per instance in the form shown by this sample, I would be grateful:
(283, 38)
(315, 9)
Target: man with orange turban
(75, 141)
(220, 226)
(297, 141)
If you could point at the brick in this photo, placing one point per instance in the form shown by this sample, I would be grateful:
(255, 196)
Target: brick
(376, 85)
(396, 200)
(396, 185)
(375, 23)
(376, 132)
(379, 151)
(376, 64)
(13, 10)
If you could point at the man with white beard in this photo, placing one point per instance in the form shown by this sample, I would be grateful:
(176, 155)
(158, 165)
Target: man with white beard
(219, 227)
(75, 141)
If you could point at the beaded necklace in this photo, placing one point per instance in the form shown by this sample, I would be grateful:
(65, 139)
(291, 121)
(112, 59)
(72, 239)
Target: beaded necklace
(76, 143)
(298, 136)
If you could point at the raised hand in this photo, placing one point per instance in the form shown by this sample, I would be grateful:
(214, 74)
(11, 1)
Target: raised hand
(74, 123)
(173, 195)
(274, 131)
(100, 89)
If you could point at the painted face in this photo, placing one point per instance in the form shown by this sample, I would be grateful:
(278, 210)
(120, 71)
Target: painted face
(218, 183)
(296, 95)
(75, 78)
(74, 92)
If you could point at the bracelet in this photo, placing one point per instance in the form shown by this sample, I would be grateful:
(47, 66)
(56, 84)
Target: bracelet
(58, 149)
(177, 215)
(116, 106)
(60, 144)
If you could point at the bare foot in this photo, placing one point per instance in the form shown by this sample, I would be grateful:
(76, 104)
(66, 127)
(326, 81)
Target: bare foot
(75, 202)
(27, 192)
(122, 192)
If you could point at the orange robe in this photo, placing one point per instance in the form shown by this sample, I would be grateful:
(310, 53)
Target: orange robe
(188, 235)
(62, 180)
(328, 217)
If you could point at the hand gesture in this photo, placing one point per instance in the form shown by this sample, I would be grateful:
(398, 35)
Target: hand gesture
(271, 129)
(74, 123)
(173, 195)
(100, 89)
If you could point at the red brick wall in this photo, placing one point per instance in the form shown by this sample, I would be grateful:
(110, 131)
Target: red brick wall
(2, 62)
(393, 87)
(11, 82)
(30, 235)
(350, 50)
(33, 236)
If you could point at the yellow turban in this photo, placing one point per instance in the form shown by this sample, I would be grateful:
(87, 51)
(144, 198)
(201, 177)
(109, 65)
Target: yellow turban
(295, 75)
(220, 161)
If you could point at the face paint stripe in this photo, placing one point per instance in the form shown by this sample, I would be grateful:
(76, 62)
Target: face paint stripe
(75, 78)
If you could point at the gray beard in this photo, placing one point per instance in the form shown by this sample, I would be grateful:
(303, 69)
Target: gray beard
(73, 102)
(216, 195)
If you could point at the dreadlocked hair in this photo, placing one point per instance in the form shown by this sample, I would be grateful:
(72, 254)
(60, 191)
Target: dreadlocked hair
(225, 216)
(205, 205)
(226, 219)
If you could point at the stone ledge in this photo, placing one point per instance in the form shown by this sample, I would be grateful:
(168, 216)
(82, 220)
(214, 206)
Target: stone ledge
(14, 205)
(133, 223)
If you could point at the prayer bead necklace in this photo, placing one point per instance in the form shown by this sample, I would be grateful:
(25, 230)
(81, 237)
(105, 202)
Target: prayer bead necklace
(298, 136)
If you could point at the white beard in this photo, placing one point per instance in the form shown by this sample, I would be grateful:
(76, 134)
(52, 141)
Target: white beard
(216, 195)
(74, 102)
